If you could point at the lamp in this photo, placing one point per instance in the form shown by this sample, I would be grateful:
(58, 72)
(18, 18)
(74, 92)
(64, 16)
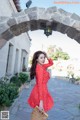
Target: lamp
(28, 3)
(48, 31)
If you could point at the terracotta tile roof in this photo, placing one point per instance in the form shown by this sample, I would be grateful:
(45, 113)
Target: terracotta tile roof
(17, 5)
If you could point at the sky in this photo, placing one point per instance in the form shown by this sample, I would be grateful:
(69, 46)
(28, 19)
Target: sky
(73, 8)
(41, 42)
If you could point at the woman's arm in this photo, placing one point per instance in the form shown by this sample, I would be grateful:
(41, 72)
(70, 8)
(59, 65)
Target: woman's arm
(50, 63)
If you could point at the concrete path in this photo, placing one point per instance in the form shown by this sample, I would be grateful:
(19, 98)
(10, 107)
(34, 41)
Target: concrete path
(66, 97)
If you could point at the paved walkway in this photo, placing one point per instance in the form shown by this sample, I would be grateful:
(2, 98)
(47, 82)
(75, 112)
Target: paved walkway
(66, 97)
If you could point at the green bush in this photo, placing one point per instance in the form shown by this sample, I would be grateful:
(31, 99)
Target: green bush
(8, 92)
(78, 78)
(4, 79)
(20, 79)
(23, 77)
(16, 81)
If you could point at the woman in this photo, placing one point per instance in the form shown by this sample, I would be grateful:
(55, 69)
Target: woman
(39, 95)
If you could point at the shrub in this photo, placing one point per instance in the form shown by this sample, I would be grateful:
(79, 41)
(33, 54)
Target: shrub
(70, 74)
(20, 79)
(15, 80)
(4, 79)
(23, 77)
(8, 92)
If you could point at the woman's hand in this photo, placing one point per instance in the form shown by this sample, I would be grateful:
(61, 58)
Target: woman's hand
(46, 55)
(41, 105)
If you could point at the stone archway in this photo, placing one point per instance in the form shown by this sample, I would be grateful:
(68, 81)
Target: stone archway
(37, 18)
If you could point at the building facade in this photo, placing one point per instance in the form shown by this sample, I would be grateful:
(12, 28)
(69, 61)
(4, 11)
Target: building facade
(14, 55)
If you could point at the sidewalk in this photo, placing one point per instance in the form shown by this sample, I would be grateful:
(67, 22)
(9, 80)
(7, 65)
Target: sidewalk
(20, 110)
(66, 98)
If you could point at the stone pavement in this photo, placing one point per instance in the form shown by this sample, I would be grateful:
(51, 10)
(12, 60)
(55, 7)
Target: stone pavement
(66, 98)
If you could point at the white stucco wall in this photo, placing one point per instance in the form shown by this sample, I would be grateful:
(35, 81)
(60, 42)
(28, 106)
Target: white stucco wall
(7, 7)
(3, 59)
(20, 42)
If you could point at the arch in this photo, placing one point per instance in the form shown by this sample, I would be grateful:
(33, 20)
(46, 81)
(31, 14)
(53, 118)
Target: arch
(37, 18)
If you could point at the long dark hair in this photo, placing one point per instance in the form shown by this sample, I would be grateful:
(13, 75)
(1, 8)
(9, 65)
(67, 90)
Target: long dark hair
(34, 62)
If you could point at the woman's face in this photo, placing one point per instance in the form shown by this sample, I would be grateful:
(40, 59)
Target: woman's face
(41, 59)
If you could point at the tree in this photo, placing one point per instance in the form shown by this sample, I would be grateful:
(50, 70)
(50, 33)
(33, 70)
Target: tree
(56, 53)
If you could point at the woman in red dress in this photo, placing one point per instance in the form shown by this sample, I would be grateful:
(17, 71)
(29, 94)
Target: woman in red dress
(40, 95)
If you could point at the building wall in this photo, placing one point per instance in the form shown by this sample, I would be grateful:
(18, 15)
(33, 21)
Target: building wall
(20, 43)
(7, 7)
(3, 59)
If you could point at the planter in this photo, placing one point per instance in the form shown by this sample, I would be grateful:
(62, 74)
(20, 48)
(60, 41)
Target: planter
(4, 108)
(77, 82)
(72, 80)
